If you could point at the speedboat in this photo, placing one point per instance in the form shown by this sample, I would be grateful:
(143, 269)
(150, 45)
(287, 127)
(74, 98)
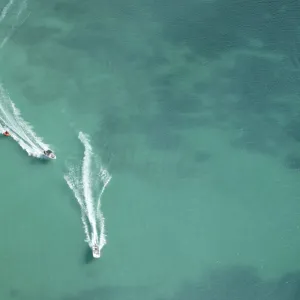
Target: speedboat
(48, 154)
(96, 251)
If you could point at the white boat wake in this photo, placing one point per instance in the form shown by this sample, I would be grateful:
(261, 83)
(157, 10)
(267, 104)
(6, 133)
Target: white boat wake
(88, 182)
(15, 18)
(20, 130)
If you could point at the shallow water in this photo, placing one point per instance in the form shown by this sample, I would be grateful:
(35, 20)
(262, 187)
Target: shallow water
(193, 109)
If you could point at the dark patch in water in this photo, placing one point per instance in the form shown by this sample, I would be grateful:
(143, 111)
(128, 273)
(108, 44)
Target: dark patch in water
(293, 129)
(14, 293)
(292, 161)
(201, 156)
(240, 283)
(32, 35)
(165, 140)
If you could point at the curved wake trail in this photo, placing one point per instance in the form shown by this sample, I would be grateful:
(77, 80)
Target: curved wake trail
(20, 6)
(6, 9)
(85, 182)
(20, 130)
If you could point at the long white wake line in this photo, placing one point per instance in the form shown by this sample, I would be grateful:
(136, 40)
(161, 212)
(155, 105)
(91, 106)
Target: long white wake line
(28, 130)
(5, 10)
(83, 182)
(105, 178)
(87, 188)
(22, 7)
(3, 14)
(10, 116)
(74, 184)
(20, 130)
(10, 121)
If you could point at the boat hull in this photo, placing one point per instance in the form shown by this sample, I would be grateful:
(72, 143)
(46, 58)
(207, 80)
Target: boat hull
(43, 156)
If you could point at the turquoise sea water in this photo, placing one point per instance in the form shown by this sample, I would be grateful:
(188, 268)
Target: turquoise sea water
(193, 108)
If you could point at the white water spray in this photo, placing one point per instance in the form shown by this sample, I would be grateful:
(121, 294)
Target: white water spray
(85, 182)
(20, 130)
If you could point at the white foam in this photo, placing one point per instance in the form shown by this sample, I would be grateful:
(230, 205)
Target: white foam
(87, 182)
(73, 182)
(20, 130)
(83, 181)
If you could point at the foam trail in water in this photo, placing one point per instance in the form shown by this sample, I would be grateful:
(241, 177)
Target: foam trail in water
(4, 14)
(23, 7)
(105, 178)
(5, 10)
(75, 185)
(84, 182)
(20, 130)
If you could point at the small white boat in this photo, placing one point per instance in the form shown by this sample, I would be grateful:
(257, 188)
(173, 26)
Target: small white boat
(96, 251)
(48, 154)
